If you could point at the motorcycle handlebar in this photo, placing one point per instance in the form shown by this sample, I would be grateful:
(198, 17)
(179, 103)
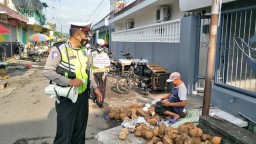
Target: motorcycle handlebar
(126, 55)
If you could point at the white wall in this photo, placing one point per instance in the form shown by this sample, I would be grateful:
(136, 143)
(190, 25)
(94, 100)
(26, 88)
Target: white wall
(148, 16)
(119, 26)
(175, 11)
(187, 5)
(145, 18)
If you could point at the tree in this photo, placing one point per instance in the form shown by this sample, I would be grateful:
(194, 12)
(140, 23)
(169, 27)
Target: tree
(58, 34)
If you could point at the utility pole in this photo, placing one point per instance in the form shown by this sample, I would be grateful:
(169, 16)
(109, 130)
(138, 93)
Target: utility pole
(109, 33)
(211, 56)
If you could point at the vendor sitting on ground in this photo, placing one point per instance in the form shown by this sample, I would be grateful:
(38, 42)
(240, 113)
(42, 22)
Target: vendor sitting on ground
(174, 103)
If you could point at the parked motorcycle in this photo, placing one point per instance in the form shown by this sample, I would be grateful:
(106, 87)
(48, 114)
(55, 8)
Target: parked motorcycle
(33, 56)
(134, 77)
(136, 73)
(139, 73)
(116, 66)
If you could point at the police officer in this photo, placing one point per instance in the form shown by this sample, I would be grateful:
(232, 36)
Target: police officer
(101, 64)
(68, 65)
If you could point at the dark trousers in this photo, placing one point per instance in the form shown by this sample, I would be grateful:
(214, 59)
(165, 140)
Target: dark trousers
(101, 84)
(72, 120)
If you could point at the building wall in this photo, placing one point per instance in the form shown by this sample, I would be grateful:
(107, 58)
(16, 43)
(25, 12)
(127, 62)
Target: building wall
(9, 4)
(148, 17)
(30, 31)
(13, 35)
(233, 102)
(187, 5)
(165, 54)
(145, 19)
(175, 11)
(118, 26)
(19, 33)
(188, 49)
(179, 57)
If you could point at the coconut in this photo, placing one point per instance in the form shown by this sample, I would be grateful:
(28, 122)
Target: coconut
(145, 109)
(148, 105)
(216, 140)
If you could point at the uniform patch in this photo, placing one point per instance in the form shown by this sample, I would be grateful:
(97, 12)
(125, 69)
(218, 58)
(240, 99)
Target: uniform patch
(54, 54)
(84, 52)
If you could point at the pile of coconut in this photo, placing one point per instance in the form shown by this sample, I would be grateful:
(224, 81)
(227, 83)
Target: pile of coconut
(186, 133)
(134, 111)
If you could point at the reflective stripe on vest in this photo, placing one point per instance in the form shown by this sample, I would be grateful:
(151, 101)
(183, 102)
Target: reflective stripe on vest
(78, 61)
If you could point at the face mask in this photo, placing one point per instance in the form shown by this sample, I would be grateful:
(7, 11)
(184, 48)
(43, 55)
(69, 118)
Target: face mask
(83, 42)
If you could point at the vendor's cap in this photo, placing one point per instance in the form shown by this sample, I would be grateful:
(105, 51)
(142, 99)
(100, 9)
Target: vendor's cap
(100, 42)
(173, 76)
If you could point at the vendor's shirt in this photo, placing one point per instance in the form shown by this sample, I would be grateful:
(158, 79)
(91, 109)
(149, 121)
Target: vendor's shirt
(178, 94)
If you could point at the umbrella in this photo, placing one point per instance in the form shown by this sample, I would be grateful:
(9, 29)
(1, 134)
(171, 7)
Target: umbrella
(4, 30)
(3, 37)
(38, 37)
(51, 37)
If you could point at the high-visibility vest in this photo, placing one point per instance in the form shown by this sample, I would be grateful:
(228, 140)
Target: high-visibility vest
(73, 64)
(101, 61)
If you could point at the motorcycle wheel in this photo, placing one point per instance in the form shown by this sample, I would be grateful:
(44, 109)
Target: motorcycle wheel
(112, 69)
(17, 56)
(123, 85)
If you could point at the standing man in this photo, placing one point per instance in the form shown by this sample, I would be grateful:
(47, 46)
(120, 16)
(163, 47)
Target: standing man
(69, 65)
(100, 69)
(3, 52)
(174, 103)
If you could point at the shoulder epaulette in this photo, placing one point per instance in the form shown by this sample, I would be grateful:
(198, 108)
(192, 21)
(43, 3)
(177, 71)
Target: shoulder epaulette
(57, 44)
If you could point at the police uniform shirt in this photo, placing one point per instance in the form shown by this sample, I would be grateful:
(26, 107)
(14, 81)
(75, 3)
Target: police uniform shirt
(53, 62)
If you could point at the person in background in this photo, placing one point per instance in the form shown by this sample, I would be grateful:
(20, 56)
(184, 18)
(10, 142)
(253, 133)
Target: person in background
(37, 45)
(2, 52)
(100, 68)
(46, 47)
(88, 46)
(174, 103)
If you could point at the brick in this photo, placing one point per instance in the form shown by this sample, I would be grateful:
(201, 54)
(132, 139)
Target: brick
(231, 133)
